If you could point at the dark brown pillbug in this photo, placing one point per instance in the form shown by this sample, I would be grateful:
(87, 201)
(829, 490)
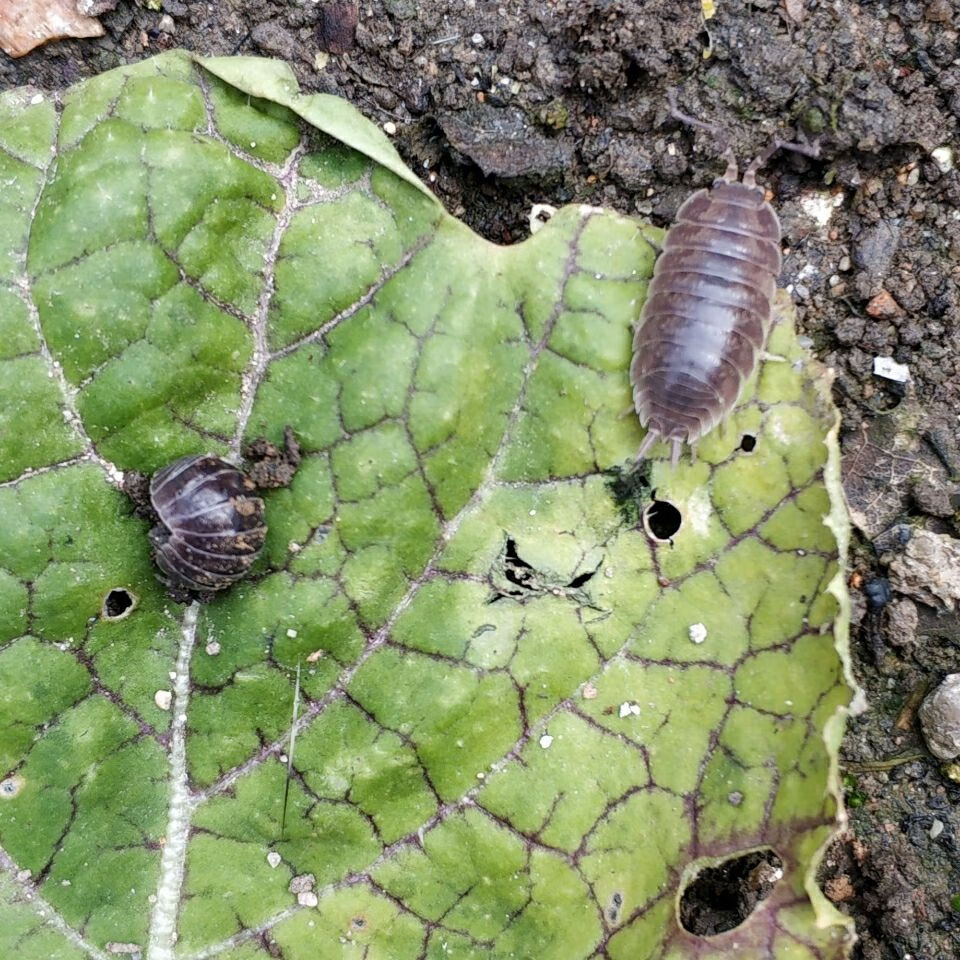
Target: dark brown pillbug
(211, 528)
(708, 310)
(208, 524)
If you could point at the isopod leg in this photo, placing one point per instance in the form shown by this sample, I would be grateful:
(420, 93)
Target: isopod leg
(731, 173)
(648, 441)
(676, 446)
(768, 357)
(678, 114)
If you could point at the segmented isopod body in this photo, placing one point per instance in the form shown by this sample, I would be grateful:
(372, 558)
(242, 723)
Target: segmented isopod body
(211, 529)
(708, 311)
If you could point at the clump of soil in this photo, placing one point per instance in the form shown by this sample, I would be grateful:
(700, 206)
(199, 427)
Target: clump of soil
(502, 105)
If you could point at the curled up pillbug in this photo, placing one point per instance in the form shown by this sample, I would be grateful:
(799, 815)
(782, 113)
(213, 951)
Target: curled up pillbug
(209, 526)
(708, 310)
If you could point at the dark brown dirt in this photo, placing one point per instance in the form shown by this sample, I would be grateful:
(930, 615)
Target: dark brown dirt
(500, 105)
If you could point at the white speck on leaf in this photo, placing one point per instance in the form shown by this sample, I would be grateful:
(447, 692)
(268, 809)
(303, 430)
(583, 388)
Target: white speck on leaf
(698, 633)
(163, 699)
(545, 741)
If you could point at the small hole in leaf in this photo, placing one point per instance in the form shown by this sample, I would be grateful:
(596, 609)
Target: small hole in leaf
(721, 897)
(613, 912)
(747, 443)
(662, 519)
(515, 568)
(583, 578)
(10, 787)
(118, 604)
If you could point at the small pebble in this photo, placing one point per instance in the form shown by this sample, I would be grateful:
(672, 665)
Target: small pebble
(389, 128)
(302, 882)
(889, 369)
(307, 899)
(943, 158)
(166, 25)
(883, 305)
(163, 699)
(477, 40)
(936, 828)
(940, 719)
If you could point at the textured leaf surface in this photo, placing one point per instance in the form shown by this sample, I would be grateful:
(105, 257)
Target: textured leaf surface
(510, 745)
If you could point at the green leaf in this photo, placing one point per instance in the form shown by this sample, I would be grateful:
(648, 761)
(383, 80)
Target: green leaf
(526, 725)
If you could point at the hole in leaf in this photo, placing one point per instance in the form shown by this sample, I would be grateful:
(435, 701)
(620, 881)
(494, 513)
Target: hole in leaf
(118, 604)
(582, 578)
(613, 911)
(662, 519)
(721, 897)
(748, 442)
(10, 787)
(515, 568)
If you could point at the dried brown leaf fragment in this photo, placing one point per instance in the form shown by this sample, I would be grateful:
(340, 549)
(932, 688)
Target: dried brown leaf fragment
(27, 24)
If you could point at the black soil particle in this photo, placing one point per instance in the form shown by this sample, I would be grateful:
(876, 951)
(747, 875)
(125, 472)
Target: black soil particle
(499, 106)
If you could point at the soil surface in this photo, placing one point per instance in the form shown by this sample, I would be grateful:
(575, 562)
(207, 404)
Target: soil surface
(500, 105)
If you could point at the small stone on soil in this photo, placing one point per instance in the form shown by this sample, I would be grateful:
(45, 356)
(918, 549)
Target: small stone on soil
(883, 305)
(902, 625)
(889, 369)
(940, 719)
(928, 569)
